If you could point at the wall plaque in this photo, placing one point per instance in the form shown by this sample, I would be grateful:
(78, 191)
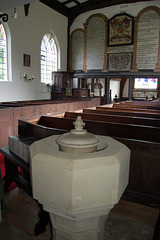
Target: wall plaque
(148, 35)
(26, 60)
(95, 43)
(120, 30)
(68, 91)
(77, 50)
(119, 61)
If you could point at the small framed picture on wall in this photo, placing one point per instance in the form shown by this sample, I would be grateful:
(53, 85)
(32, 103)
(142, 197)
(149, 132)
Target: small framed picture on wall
(26, 60)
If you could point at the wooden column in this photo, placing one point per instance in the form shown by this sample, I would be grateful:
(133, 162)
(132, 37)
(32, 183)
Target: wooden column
(130, 85)
(79, 82)
(107, 85)
(92, 85)
(158, 88)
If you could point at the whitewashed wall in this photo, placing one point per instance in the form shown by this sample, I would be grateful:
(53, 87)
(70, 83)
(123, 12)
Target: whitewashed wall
(26, 35)
(131, 9)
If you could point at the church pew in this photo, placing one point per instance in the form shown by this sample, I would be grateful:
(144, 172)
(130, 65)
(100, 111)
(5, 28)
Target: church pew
(101, 110)
(115, 118)
(139, 132)
(133, 109)
(144, 175)
(142, 103)
(33, 128)
(128, 112)
(139, 105)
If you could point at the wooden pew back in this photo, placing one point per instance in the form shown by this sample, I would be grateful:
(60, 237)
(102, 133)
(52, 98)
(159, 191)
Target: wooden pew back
(139, 105)
(134, 109)
(128, 112)
(113, 129)
(101, 116)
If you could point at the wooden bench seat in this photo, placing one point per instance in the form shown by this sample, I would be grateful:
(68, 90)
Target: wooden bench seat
(129, 112)
(101, 110)
(95, 116)
(139, 105)
(143, 110)
(131, 131)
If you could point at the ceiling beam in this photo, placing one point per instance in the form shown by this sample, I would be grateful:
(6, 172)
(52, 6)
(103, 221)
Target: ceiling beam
(97, 4)
(75, 11)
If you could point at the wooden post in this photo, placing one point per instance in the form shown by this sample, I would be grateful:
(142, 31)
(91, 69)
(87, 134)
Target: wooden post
(130, 88)
(92, 85)
(107, 83)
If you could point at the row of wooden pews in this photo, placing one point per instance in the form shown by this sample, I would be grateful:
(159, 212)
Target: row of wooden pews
(146, 105)
(117, 126)
(138, 130)
(129, 112)
(139, 105)
(124, 108)
(137, 127)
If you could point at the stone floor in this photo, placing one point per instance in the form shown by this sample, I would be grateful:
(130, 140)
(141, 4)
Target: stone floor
(127, 221)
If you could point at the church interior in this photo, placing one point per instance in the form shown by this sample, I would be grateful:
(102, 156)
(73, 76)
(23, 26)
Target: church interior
(79, 119)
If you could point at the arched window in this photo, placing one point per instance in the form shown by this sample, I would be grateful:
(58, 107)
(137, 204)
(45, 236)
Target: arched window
(48, 58)
(3, 54)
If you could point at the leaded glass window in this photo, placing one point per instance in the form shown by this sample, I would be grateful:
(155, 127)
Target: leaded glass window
(48, 58)
(3, 54)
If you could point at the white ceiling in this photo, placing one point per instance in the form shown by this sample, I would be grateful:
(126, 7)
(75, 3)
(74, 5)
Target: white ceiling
(8, 4)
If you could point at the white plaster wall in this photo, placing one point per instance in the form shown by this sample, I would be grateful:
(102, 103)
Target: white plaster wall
(132, 9)
(6, 4)
(26, 35)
